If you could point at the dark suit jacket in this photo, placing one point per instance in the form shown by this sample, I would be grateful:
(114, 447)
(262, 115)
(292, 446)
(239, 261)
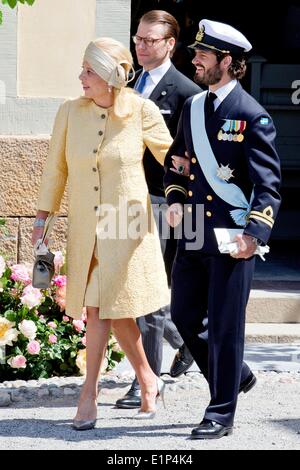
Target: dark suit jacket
(169, 95)
(254, 162)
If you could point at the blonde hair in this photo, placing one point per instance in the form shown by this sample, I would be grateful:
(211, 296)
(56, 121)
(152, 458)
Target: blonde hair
(123, 97)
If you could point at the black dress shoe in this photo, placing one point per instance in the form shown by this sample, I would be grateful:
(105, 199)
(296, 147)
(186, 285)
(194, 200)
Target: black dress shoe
(132, 399)
(182, 361)
(210, 430)
(248, 383)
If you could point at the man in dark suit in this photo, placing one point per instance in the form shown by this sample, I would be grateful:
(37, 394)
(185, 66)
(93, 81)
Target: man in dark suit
(233, 182)
(161, 82)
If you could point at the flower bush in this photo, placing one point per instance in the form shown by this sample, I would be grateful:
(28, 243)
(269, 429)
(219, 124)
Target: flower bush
(37, 339)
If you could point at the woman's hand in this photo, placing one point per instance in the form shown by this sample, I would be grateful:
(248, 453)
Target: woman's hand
(37, 233)
(181, 165)
(38, 227)
(174, 214)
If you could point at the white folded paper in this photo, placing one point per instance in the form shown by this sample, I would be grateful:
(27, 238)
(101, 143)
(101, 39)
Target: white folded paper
(226, 244)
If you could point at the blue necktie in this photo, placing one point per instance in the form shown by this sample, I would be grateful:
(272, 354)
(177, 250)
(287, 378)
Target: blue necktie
(142, 82)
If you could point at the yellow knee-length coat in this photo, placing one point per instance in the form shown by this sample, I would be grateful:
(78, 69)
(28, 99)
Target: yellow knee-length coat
(101, 158)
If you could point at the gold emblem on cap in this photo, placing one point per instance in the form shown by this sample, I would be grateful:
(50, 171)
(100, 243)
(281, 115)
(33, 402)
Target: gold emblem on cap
(200, 34)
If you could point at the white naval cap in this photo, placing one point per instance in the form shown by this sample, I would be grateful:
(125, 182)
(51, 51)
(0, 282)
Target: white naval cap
(220, 37)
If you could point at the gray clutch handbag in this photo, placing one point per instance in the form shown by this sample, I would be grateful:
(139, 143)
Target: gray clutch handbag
(43, 268)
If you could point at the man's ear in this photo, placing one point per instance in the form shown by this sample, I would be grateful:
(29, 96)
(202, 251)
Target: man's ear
(171, 44)
(227, 61)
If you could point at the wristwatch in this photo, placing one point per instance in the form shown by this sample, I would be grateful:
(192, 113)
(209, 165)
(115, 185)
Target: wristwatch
(257, 241)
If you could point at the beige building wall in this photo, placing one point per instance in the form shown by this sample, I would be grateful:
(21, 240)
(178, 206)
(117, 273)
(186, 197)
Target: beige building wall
(52, 37)
(41, 51)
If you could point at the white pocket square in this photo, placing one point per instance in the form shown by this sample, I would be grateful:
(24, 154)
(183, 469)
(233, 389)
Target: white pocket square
(165, 111)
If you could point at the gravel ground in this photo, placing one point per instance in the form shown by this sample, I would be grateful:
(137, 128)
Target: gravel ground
(268, 417)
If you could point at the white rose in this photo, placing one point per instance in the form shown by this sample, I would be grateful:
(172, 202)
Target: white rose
(2, 266)
(28, 328)
(7, 332)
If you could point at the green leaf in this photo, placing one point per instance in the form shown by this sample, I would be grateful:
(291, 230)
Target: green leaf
(12, 3)
(1, 19)
(30, 2)
(10, 315)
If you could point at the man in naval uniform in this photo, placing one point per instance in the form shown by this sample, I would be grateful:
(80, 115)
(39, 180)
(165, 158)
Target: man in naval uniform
(233, 172)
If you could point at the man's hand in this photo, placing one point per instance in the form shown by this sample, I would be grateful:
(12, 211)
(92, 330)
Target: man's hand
(181, 165)
(246, 247)
(174, 214)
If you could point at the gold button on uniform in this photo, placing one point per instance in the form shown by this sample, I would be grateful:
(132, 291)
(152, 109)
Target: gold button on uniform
(194, 160)
(190, 193)
(192, 177)
(189, 209)
(208, 213)
(209, 197)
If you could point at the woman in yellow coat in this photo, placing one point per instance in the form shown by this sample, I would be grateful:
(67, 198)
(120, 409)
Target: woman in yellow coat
(114, 261)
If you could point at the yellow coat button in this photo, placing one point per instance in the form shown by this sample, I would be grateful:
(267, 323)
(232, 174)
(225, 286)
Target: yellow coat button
(190, 193)
(208, 213)
(209, 197)
(192, 177)
(194, 160)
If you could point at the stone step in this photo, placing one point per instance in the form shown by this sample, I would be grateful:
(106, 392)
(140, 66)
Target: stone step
(273, 332)
(273, 306)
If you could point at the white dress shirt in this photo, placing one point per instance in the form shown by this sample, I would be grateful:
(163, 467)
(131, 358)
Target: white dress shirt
(223, 92)
(154, 77)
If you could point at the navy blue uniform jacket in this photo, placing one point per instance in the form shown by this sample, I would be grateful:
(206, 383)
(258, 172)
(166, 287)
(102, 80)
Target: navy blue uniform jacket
(254, 162)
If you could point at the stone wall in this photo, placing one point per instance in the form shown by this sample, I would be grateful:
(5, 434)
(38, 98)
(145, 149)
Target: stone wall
(21, 164)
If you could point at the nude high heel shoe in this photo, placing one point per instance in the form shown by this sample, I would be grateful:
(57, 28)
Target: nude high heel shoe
(83, 425)
(160, 394)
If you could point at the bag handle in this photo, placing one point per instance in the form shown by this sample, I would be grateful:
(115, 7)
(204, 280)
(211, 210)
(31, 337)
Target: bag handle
(50, 221)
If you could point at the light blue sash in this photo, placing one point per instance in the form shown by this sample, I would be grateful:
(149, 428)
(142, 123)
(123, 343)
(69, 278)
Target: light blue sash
(229, 192)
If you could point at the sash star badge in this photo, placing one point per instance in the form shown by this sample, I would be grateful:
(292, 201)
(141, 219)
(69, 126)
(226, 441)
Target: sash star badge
(225, 173)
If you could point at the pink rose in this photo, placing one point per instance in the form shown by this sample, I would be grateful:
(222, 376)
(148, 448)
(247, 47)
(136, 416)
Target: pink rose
(78, 325)
(20, 273)
(58, 260)
(31, 297)
(60, 297)
(83, 340)
(65, 318)
(60, 281)
(17, 362)
(52, 339)
(33, 347)
(84, 315)
(51, 324)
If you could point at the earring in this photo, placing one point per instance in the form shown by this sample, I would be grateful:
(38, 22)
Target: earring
(109, 87)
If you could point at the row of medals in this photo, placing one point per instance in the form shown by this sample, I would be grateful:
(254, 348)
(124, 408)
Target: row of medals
(230, 137)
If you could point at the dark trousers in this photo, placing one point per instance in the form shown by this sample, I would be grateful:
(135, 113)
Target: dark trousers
(216, 286)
